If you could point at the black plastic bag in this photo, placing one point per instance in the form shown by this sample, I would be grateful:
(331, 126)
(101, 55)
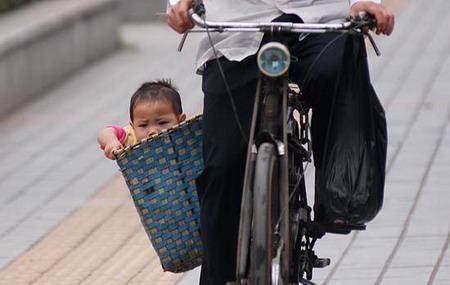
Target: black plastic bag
(351, 172)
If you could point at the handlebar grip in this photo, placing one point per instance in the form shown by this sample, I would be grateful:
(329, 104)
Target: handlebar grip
(198, 7)
(365, 19)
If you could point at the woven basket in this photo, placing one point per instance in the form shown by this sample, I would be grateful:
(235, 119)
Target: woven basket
(160, 172)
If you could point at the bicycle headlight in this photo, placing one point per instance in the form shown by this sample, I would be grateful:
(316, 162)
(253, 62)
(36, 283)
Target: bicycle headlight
(273, 59)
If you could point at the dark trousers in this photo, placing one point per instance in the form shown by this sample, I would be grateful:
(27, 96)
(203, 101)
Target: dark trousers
(342, 64)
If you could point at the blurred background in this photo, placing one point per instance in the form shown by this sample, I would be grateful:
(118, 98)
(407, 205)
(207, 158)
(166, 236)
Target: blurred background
(44, 41)
(69, 67)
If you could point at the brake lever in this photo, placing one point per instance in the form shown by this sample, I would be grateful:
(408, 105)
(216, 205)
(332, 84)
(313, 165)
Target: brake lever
(374, 45)
(182, 41)
(363, 16)
(197, 8)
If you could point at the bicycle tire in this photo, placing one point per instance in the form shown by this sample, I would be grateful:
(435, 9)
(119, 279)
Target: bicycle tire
(265, 214)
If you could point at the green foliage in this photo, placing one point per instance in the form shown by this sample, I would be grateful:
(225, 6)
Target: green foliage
(6, 5)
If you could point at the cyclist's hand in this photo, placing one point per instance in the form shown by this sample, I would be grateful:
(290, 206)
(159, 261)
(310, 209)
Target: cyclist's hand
(110, 148)
(179, 19)
(385, 18)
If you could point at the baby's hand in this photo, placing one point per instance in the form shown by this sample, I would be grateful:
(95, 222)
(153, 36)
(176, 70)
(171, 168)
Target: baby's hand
(110, 148)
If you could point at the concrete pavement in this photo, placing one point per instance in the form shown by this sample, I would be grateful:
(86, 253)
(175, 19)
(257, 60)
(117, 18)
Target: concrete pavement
(51, 164)
(66, 216)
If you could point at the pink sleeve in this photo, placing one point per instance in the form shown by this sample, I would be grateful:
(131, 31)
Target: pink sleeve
(121, 134)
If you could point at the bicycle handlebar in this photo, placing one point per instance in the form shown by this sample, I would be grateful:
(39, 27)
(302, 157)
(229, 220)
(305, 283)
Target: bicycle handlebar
(268, 26)
(362, 21)
(196, 13)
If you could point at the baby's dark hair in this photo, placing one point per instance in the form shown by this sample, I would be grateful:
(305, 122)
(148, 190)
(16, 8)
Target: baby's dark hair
(161, 89)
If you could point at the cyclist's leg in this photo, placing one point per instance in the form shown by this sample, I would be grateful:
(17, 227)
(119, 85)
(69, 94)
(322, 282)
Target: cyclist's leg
(338, 79)
(220, 185)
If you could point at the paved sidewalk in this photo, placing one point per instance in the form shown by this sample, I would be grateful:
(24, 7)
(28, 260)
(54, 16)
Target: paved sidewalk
(66, 216)
(408, 241)
(51, 164)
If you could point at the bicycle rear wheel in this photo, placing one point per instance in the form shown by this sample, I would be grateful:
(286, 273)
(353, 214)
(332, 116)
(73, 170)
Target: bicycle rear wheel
(265, 214)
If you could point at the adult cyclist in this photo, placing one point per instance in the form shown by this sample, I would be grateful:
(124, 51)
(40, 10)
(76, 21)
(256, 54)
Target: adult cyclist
(339, 74)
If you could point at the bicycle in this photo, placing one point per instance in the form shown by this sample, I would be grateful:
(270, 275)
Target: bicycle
(276, 232)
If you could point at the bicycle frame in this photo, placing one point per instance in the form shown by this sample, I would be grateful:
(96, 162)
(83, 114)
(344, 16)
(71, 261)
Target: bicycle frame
(278, 127)
(272, 114)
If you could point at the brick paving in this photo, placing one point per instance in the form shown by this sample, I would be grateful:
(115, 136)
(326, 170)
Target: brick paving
(66, 216)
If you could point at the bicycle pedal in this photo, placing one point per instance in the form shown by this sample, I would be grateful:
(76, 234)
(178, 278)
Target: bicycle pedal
(321, 262)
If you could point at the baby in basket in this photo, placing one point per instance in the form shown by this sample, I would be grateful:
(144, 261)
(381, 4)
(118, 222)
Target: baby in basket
(154, 107)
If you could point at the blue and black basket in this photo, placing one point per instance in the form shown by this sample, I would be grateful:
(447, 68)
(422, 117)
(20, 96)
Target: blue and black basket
(160, 173)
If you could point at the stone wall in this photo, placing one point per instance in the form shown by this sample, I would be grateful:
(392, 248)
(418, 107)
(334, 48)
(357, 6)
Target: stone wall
(45, 41)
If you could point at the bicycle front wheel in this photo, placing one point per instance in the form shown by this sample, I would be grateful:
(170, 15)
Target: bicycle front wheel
(265, 214)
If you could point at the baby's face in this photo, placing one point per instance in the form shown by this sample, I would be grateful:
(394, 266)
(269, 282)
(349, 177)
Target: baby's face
(151, 117)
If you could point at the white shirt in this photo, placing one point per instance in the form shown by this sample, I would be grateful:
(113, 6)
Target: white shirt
(237, 46)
